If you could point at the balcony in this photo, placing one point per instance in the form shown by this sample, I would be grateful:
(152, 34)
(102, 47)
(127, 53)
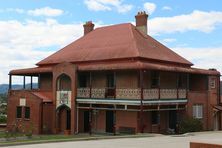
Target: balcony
(130, 93)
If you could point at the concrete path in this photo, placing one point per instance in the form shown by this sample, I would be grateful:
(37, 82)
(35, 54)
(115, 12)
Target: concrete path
(147, 142)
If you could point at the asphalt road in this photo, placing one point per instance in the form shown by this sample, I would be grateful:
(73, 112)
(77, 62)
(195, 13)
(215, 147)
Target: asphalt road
(151, 142)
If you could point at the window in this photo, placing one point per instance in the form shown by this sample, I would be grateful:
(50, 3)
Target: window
(110, 80)
(180, 81)
(212, 83)
(155, 80)
(198, 111)
(83, 80)
(155, 117)
(18, 112)
(27, 112)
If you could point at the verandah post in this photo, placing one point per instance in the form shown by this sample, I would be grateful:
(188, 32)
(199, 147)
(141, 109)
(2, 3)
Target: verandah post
(141, 102)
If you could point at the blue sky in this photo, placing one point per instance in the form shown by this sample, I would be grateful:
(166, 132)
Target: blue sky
(33, 29)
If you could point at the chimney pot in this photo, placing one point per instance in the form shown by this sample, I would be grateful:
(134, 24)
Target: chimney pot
(141, 21)
(88, 27)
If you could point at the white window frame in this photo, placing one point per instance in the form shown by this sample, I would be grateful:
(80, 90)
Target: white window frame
(198, 111)
(212, 83)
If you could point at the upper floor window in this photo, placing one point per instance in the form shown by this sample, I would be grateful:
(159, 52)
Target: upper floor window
(110, 80)
(82, 80)
(180, 81)
(198, 111)
(212, 83)
(18, 112)
(155, 79)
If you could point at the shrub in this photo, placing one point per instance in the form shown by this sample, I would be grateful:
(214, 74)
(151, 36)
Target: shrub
(190, 125)
(3, 119)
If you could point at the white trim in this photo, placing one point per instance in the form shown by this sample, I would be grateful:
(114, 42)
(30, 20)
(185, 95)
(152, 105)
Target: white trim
(129, 102)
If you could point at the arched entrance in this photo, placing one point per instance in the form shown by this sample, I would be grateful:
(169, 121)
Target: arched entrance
(63, 110)
(64, 118)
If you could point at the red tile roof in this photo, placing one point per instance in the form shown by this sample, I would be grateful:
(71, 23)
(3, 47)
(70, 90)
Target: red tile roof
(31, 71)
(124, 65)
(45, 96)
(114, 42)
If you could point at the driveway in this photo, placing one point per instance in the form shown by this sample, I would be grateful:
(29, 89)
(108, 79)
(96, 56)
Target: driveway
(151, 142)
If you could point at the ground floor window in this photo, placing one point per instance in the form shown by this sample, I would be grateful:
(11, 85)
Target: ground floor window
(18, 112)
(27, 112)
(155, 117)
(198, 111)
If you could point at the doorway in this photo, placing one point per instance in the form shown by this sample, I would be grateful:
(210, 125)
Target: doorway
(86, 121)
(173, 119)
(109, 121)
(64, 118)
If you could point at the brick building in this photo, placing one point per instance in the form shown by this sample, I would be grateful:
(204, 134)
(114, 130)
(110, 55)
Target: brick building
(115, 79)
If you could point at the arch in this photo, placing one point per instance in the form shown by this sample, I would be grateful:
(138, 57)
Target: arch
(63, 82)
(63, 113)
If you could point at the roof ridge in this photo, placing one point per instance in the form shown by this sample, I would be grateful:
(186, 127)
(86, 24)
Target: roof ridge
(132, 27)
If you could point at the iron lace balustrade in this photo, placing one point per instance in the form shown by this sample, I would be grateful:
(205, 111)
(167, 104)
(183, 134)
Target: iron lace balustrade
(132, 93)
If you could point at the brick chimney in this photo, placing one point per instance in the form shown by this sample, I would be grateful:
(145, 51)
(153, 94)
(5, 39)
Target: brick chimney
(141, 21)
(88, 27)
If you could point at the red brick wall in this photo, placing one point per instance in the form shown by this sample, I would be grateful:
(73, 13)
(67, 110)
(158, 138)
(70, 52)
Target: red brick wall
(99, 121)
(46, 82)
(35, 111)
(81, 121)
(197, 97)
(198, 82)
(204, 145)
(47, 118)
(126, 119)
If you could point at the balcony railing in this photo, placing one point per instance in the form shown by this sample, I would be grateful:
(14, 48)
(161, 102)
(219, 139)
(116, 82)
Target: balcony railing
(129, 93)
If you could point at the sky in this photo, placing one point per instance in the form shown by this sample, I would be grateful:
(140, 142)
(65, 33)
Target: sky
(31, 30)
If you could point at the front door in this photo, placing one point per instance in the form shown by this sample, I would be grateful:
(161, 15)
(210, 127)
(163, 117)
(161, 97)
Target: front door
(86, 121)
(109, 121)
(68, 119)
(172, 119)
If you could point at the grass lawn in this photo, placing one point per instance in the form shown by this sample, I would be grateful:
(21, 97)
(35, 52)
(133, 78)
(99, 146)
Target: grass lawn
(62, 138)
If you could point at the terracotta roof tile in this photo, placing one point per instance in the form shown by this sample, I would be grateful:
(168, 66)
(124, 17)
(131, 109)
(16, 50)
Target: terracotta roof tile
(114, 42)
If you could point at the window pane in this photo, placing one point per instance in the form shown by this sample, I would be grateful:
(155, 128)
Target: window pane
(19, 112)
(198, 111)
(27, 112)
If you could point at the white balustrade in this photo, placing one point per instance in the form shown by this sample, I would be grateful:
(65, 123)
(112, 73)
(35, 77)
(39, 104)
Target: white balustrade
(126, 93)
(182, 93)
(150, 93)
(98, 92)
(168, 93)
(83, 92)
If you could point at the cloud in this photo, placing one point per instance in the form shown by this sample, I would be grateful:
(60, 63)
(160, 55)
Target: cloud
(46, 11)
(209, 57)
(16, 10)
(166, 8)
(169, 40)
(149, 7)
(29, 42)
(196, 21)
(108, 5)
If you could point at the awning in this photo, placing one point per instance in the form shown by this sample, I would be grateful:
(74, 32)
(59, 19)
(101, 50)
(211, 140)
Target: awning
(119, 66)
(45, 96)
(144, 65)
(31, 71)
(218, 107)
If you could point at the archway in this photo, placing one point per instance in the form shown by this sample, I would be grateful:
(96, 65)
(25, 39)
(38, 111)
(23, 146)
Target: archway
(63, 118)
(63, 101)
